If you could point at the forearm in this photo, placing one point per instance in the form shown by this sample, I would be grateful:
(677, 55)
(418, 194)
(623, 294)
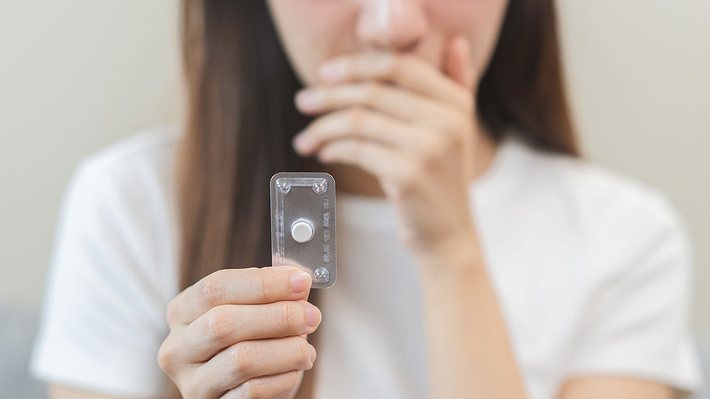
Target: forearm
(55, 391)
(469, 350)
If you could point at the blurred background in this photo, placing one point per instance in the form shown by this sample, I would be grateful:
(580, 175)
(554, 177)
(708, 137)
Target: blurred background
(76, 75)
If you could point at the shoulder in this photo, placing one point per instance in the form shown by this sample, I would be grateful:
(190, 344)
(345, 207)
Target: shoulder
(593, 193)
(121, 205)
(615, 250)
(137, 171)
(620, 225)
(147, 151)
(114, 264)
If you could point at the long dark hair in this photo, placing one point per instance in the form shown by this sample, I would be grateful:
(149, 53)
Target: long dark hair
(241, 119)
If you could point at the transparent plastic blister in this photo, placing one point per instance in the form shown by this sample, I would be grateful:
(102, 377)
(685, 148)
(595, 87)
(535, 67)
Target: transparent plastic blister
(303, 224)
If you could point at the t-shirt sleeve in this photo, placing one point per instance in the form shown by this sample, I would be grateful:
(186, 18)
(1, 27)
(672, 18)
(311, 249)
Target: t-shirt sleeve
(103, 318)
(638, 323)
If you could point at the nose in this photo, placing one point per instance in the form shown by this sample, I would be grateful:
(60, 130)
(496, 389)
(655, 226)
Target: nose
(396, 25)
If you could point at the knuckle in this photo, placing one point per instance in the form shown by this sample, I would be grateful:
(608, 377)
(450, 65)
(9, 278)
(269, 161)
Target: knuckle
(458, 139)
(242, 359)
(172, 312)
(287, 316)
(307, 357)
(254, 389)
(356, 117)
(218, 325)
(459, 128)
(437, 149)
(392, 66)
(166, 357)
(211, 290)
(268, 287)
(372, 92)
(411, 174)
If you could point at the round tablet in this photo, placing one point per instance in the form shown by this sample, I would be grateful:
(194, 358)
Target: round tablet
(302, 231)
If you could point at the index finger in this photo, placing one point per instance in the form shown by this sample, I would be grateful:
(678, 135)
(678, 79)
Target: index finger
(239, 286)
(407, 71)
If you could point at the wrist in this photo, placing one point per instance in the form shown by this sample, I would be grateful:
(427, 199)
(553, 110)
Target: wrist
(460, 252)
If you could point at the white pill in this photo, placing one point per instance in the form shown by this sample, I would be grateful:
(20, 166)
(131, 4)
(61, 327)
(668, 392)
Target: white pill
(302, 230)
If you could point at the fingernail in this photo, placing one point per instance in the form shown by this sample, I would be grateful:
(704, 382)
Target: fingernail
(300, 282)
(302, 143)
(308, 99)
(332, 71)
(312, 314)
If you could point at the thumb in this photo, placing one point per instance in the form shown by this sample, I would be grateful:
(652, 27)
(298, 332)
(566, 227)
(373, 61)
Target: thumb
(457, 64)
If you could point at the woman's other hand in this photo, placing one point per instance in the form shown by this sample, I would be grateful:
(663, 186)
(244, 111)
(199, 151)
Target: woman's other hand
(413, 127)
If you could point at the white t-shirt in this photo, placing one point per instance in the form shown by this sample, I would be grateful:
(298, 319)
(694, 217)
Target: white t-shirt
(592, 272)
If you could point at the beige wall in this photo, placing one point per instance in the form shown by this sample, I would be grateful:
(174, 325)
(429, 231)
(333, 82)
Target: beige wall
(77, 74)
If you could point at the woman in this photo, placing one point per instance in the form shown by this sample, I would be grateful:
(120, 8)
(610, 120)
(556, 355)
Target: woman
(480, 257)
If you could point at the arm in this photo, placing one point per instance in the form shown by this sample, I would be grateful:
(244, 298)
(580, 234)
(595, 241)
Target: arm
(608, 387)
(466, 332)
(63, 392)
(57, 391)
(465, 294)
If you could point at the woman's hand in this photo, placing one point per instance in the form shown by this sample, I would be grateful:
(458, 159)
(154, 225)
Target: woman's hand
(241, 333)
(411, 126)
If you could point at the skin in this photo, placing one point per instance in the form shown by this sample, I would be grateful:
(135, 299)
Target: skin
(391, 83)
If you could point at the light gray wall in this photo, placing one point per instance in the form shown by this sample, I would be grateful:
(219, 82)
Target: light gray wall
(640, 81)
(77, 74)
(74, 75)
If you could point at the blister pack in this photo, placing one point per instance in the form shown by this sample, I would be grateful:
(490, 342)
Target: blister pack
(303, 224)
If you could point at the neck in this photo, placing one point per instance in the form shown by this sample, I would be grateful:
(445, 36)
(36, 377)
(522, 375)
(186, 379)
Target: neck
(356, 181)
